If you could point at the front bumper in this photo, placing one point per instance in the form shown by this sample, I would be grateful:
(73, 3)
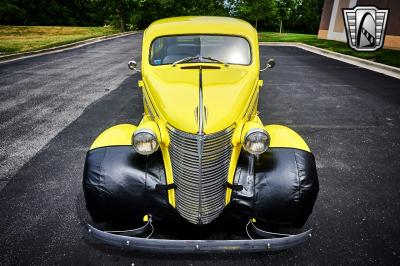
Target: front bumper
(198, 246)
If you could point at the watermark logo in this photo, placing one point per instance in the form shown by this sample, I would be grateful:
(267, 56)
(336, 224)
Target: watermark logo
(365, 27)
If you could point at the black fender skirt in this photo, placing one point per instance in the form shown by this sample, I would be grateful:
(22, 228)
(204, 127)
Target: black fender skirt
(280, 186)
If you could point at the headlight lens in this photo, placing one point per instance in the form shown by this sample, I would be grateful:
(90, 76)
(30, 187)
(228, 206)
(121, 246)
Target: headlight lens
(256, 141)
(145, 141)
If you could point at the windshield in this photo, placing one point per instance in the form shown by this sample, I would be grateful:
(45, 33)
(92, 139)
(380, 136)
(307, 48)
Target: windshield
(218, 48)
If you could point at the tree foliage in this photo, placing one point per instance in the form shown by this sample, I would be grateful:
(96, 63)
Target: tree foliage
(295, 15)
(254, 10)
(300, 15)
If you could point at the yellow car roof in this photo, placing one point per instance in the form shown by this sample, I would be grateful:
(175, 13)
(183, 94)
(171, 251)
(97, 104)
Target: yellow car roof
(199, 25)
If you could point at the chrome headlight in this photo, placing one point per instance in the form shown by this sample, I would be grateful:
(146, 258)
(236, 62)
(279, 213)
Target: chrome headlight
(145, 141)
(256, 141)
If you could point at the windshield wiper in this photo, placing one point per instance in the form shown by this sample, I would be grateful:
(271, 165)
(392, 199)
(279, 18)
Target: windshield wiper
(214, 60)
(199, 58)
(186, 59)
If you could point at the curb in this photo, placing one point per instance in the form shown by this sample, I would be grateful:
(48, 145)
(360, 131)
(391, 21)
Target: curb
(370, 65)
(61, 48)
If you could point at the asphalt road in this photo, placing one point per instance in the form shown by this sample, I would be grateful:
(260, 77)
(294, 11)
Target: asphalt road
(53, 106)
(42, 95)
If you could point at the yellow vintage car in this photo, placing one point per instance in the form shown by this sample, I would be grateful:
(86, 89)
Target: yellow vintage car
(201, 151)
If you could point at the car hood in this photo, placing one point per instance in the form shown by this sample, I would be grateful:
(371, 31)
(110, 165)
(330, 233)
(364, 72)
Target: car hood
(226, 93)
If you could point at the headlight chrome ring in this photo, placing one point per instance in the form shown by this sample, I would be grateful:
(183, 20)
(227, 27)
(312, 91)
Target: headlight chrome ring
(256, 141)
(144, 141)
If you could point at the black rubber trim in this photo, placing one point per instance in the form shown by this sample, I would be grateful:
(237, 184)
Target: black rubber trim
(160, 187)
(234, 187)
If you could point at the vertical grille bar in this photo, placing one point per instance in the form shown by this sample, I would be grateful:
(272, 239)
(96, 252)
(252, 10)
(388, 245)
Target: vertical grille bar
(200, 165)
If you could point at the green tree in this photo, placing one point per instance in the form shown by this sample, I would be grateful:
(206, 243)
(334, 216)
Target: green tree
(11, 14)
(117, 12)
(300, 15)
(293, 15)
(151, 10)
(254, 10)
(310, 11)
(49, 12)
(286, 10)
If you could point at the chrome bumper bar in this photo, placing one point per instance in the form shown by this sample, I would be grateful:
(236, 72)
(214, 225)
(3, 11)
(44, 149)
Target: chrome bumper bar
(115, 238)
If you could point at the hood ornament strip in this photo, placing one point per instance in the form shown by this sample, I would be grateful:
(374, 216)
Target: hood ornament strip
(205, 115)
(200, 146)
(200, 107)
(196, 114)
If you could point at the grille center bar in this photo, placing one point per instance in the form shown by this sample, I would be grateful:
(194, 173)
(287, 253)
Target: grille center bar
(200, 143)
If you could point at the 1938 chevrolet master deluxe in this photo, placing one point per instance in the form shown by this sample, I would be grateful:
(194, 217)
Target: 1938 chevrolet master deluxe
(200, 150)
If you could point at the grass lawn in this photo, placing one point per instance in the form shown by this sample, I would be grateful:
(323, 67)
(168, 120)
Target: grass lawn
(14, 39)
(384, 56)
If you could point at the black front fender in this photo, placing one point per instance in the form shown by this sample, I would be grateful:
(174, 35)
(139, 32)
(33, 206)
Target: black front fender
(280, 186)
(120, 184)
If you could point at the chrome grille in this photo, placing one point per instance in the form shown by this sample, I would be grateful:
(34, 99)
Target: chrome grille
(200, 166)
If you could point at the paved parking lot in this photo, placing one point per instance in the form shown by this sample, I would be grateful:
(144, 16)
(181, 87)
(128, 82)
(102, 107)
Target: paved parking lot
(53, 106)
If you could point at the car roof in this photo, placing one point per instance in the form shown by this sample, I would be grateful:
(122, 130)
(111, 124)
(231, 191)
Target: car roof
(200, 25)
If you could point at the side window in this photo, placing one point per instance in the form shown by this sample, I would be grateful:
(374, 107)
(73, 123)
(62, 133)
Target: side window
(158, 51)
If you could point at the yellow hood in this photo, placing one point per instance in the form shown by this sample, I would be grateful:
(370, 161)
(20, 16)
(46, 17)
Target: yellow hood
(174, 92)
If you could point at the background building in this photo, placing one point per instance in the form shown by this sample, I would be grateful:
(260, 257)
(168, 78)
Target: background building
(332, 24)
